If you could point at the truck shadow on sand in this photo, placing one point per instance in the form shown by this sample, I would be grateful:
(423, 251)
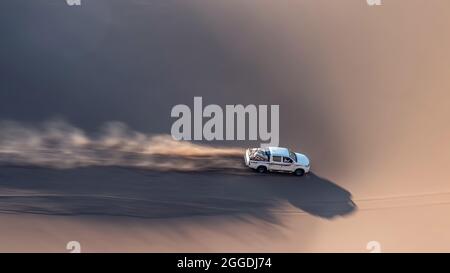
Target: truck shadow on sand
(110, 191)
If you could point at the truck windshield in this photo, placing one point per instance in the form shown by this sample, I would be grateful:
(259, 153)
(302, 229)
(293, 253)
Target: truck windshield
(293, 156)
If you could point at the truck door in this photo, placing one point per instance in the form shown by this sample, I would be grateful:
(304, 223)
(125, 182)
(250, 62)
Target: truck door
(288, 164)
(276, 163)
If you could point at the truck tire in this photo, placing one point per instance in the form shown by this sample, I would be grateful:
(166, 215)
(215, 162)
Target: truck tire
(299, 172)
(261, 169)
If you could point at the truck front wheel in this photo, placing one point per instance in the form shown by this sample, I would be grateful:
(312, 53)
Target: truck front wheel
(299, 172)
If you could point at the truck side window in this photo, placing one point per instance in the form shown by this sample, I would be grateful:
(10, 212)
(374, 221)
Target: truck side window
(276, 158)
(287, 160)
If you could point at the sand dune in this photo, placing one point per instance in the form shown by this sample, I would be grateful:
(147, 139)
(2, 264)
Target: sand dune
(363, 91)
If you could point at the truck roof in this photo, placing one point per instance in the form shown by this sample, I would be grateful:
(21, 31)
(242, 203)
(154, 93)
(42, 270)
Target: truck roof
(278, 151)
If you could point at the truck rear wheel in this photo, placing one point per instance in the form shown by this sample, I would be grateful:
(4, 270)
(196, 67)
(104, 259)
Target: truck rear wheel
(261, 169)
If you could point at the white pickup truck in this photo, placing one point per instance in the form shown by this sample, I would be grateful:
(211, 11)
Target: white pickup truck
(276, 159)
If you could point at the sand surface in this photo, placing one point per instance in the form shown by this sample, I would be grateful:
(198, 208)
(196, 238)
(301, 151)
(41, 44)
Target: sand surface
(363, 91)
(118, 209)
